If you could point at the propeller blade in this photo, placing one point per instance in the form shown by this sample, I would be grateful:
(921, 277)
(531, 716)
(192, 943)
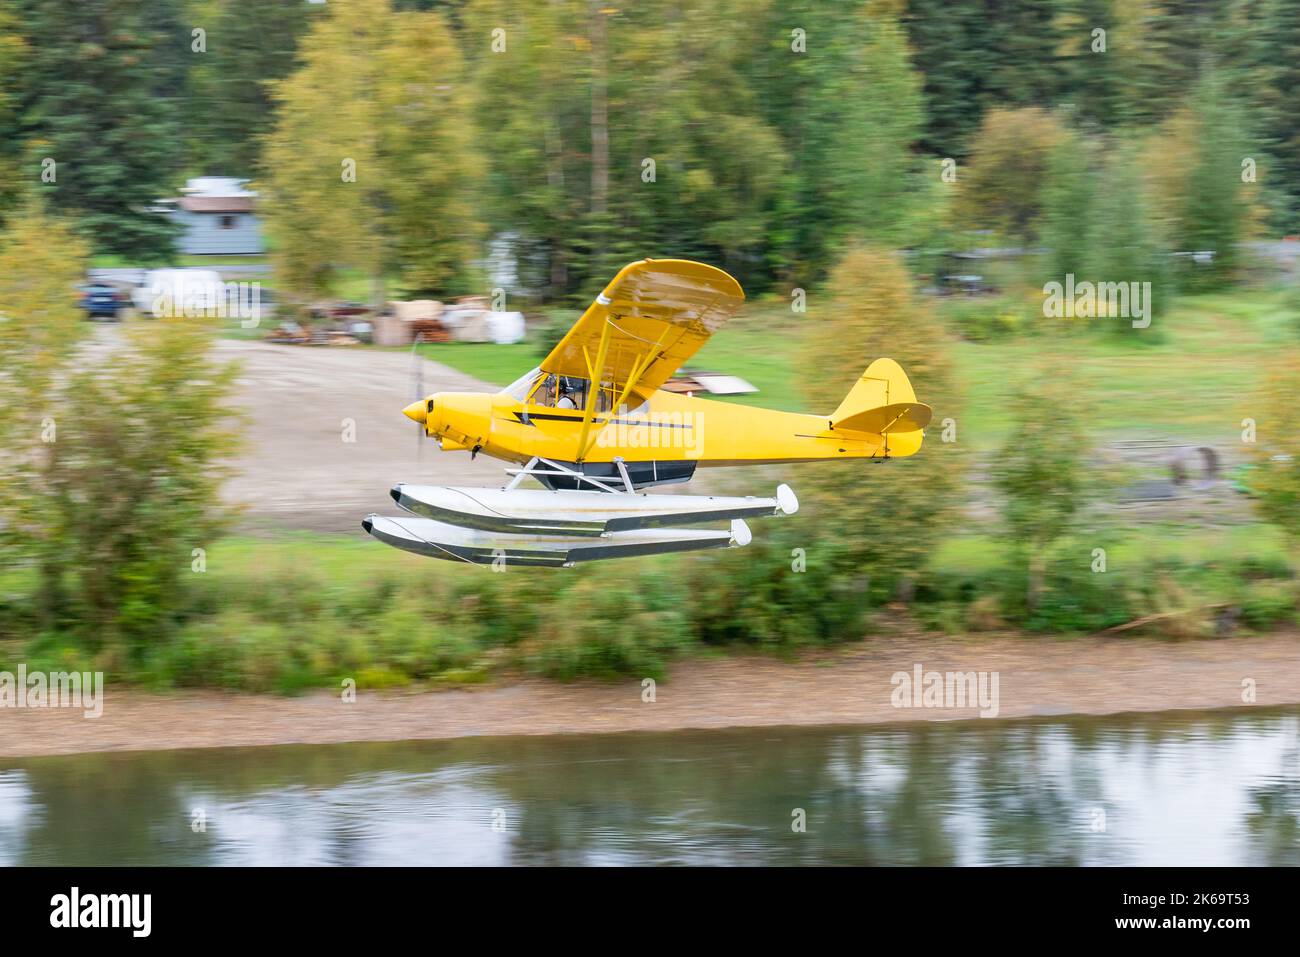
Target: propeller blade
(417, 378)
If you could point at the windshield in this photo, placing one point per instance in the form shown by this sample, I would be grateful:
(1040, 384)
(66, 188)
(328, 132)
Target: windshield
(568, 392)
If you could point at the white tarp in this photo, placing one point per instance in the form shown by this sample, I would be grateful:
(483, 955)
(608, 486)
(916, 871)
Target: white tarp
(506, 327)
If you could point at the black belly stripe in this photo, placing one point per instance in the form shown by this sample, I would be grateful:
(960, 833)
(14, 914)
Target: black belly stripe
(527, 418)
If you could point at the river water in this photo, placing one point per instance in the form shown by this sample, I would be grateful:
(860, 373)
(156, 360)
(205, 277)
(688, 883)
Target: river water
(1174, 789)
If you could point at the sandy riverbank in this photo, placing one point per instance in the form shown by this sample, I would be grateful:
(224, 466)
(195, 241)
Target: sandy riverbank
(851, 685)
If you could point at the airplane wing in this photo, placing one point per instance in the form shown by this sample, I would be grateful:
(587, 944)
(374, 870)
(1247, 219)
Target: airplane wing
(653, 316)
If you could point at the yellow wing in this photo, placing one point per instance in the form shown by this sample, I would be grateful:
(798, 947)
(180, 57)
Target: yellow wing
(653, 316)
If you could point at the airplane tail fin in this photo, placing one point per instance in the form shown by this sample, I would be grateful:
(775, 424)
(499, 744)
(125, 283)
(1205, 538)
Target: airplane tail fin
(882, 402)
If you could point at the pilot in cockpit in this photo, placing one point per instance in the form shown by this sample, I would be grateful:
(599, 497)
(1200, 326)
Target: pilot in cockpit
(567, 398)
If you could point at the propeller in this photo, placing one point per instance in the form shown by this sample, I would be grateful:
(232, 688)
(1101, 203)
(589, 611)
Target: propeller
(417, 381)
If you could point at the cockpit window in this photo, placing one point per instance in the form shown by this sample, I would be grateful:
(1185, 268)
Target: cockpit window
(569, 392)
(544, 393)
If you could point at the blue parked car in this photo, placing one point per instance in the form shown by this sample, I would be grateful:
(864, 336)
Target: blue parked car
(101, 300)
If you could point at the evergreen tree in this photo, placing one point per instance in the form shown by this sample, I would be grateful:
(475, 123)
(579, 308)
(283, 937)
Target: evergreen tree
(101, 82)
(532, 102)
(248, 45)
(850, 110)
(872, 171)
(1022, 66)
(1069, 230)
(1128, 248)
(613, 134)
(1280, 120)
(1284, 29)
(717, 171)
(1214, 212)
(14, 55)
(1092, 62)
(953, 44)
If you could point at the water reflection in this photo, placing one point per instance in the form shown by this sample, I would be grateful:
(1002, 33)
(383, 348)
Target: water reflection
(1208, 789)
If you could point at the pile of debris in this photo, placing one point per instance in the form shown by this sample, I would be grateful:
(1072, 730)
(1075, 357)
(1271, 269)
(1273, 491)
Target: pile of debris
(332, 324)
(468, 320)
(424, 320)
(407, 321)
(290, 333)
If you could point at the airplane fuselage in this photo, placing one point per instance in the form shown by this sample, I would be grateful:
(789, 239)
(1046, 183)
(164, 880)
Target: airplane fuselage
(665, 427)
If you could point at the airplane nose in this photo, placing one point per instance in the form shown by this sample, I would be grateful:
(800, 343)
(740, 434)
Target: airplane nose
(417, 411)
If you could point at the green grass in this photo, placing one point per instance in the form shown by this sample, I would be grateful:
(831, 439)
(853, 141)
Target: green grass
(216, 261)
(108, 261)
(343, 558)
(1133, 547)
(353, 561)
(496, 365)
(1199, 381)
(761, 346)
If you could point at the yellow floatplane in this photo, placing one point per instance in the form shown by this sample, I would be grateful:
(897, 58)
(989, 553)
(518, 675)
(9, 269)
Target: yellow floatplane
(593, 427)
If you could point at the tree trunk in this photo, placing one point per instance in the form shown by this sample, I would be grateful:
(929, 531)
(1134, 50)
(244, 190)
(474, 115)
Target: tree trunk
(559, 270)
(1037, 566)
(599, 115)
(555, 176)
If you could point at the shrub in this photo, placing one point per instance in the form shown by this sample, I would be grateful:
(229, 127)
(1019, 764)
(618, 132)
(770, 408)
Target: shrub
(987, 318)
(1268, 604)
(1071, 598)
(607, 631)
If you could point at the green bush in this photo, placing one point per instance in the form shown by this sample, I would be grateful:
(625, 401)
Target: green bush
(1269, 604)
(1072, 599)
(603, 630)
(989, 318)
(756, 597)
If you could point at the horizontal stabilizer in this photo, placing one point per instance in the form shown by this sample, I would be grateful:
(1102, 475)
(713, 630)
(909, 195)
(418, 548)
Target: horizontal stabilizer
(887, 419)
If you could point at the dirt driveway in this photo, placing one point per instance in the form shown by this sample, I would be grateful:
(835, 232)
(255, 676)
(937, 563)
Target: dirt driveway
(327, 439)
(298, 469)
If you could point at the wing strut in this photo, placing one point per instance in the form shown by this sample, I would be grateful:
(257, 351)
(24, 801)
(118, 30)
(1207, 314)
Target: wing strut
(593, 391)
